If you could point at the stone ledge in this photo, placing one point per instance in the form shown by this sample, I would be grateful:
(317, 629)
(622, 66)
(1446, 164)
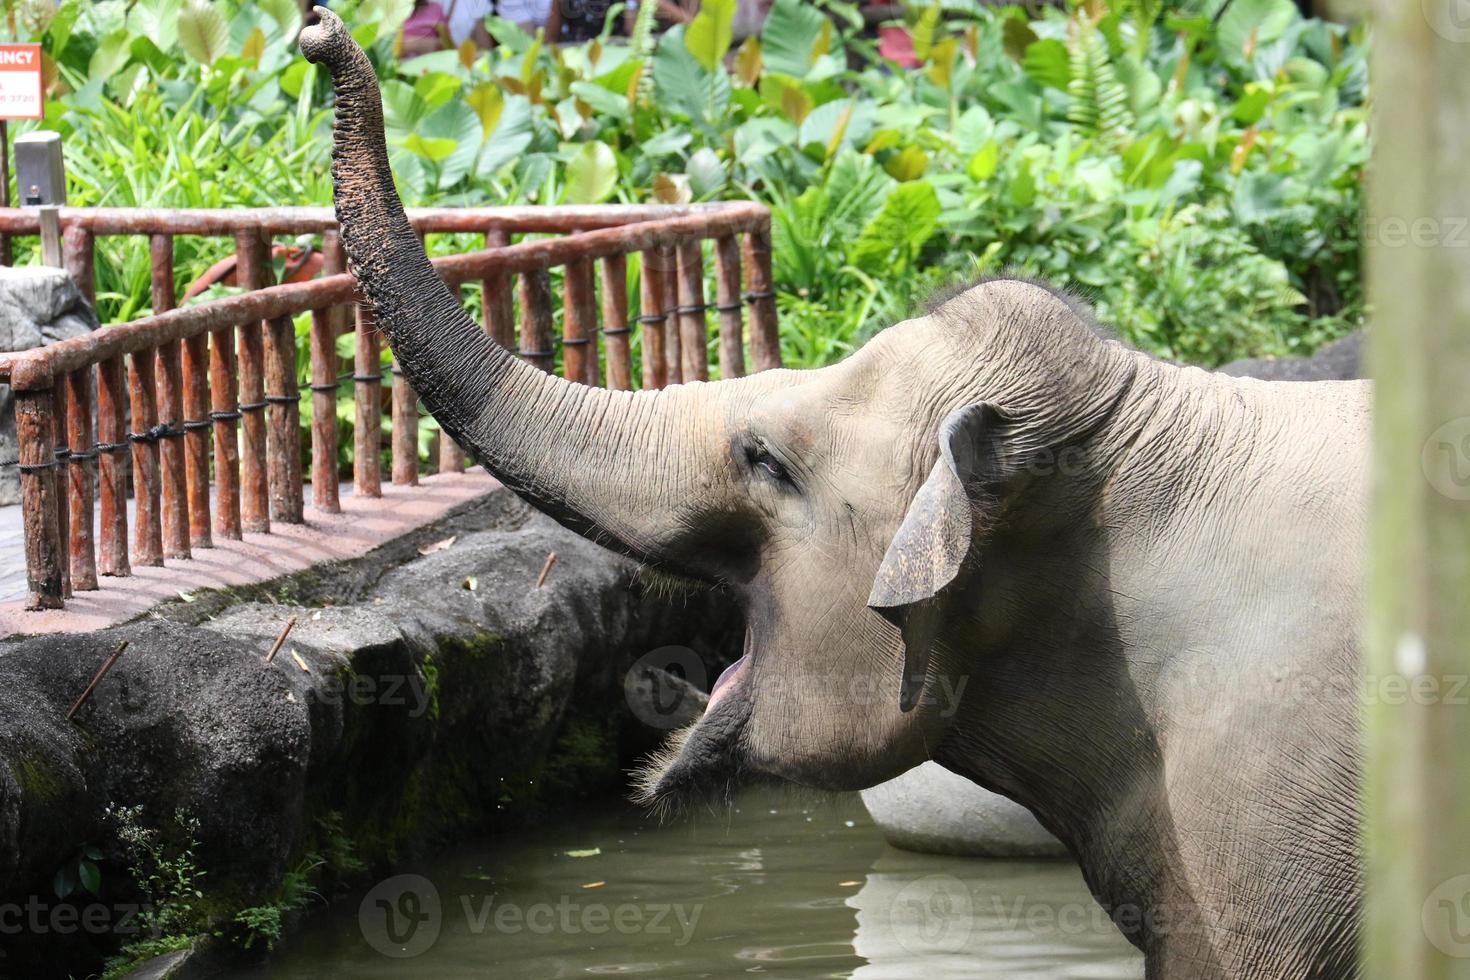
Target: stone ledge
(448, 696)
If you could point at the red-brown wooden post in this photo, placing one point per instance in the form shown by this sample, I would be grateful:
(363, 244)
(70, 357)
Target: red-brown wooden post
(579, 323)
(651, 320)
(45, 556)
(147, 491)
(196, 438)
(334, 261)
(368, 432)
(450, 456)
(615, 322)
(727, 305)
(765, 336)
(673, 342)
(225, 414)
(536, 320)
(324, 489)
(112, 471)
(170, 377)
(80, 475)
(62, 454)
(405, 430)
(693, 324)
(283, 421)
(252, 258)
(78, 251)
(497, 298)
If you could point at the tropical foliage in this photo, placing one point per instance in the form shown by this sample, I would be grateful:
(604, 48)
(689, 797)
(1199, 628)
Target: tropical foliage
(1198, 177)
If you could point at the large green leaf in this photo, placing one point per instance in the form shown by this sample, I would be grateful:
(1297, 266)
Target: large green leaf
(1246, 25)
(488, 103)
(789, 37)
(379, 19)
(710, 33)
(286, 14)
(203, 33)
(592, 173)
(684, 86)
(909, 218)
(157, 20)
(1049, 62)
(511, 137)
(111, 54)
(458, 125)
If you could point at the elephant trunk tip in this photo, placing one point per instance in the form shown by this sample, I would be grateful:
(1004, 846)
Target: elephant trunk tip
(326, 41)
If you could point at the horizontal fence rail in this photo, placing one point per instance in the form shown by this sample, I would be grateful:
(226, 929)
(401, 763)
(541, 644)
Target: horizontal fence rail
(195, 412)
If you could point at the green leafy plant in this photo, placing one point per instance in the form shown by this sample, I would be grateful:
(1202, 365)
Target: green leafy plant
(1134, 150)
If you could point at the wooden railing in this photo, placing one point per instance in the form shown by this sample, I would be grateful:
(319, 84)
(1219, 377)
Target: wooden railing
(204, 401)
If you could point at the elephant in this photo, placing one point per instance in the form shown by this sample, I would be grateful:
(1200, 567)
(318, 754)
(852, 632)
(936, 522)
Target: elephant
(1121, 592)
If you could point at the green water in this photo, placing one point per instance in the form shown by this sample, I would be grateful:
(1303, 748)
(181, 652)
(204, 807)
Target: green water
(773, 887)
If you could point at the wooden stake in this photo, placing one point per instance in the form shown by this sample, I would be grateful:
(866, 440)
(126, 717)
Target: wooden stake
(106, 666)
(276, 646)
(546, 569)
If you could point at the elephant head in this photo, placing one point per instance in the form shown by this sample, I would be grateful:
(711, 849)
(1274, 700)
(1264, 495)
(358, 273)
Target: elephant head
(845, 508)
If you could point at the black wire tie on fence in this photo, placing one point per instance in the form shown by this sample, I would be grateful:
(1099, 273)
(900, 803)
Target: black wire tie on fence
(653, 318)
(282, 399)
(253, 406)
(692, 308)
(194, 425)
(617, 332)
(727, 307)
(367, 378)
(751, 297)
(575, 341)
(224, 416)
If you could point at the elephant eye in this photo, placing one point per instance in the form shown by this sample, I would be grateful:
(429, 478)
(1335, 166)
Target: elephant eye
(761, 460)
(771, 467)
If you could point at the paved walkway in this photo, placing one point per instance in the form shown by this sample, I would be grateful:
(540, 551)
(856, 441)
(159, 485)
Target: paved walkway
(363, 525)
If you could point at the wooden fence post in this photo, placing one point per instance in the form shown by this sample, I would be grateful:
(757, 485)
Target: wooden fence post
(45, 551)
(170, 375)
(1417, 786)
(252, 268)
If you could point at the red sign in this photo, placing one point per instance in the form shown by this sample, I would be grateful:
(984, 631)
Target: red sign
(20, 81)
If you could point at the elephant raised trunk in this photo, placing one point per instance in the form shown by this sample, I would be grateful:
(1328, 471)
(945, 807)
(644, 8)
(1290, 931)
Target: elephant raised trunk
(540, 435)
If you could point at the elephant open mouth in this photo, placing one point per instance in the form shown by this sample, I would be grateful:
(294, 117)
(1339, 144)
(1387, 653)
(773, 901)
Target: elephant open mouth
(702, 762)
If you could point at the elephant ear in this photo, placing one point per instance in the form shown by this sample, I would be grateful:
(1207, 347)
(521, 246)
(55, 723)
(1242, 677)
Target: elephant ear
(926, 554)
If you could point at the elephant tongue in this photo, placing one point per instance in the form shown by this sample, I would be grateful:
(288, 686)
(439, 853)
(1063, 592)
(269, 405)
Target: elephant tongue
(726, 676)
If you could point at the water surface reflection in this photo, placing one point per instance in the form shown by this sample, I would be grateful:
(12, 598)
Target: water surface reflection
(775, 887)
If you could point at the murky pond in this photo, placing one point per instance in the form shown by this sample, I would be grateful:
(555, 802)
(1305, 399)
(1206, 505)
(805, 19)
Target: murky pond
(775, 886)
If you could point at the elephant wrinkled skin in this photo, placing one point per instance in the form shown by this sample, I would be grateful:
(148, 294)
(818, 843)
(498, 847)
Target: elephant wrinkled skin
(1121, 592)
